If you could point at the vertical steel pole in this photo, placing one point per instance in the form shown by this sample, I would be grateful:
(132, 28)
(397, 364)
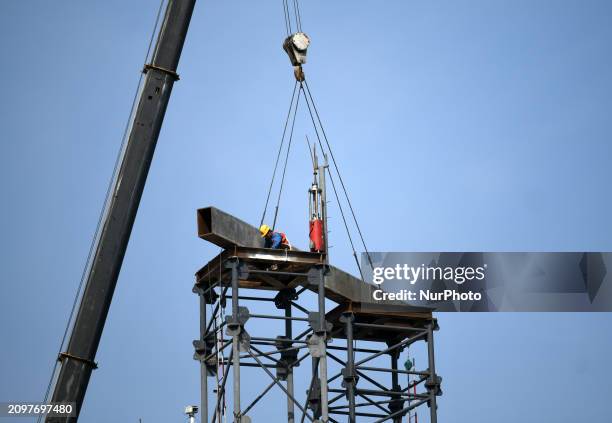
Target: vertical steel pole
(289, 335)
(433, 407)
(321, 297)
(235, 342)
(203, 373)
(350, 364)
(323, 376)
(395, 383)
(315, 375)
(321, 172)
(323, 360)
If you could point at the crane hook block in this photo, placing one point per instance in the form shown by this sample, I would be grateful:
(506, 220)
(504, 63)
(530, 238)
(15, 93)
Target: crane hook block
(296, 45)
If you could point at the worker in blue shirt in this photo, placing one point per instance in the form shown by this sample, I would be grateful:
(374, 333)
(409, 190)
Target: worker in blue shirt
(275, 240)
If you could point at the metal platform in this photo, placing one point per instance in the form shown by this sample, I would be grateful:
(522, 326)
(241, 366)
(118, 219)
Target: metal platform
(244, 241)
(340, 286)
(291, 276)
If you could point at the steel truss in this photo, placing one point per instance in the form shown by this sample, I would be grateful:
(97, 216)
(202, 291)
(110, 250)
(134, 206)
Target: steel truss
(354, 392)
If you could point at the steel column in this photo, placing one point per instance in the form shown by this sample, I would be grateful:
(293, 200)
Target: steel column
(350, 365)
(395, 383)
(321, 172)
(323, 376)
(289, 335)
(235, 341)
(433, 407)
(323, 334)
(203, 371)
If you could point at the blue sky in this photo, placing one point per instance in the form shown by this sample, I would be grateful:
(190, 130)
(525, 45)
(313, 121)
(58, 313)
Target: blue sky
(481, 125)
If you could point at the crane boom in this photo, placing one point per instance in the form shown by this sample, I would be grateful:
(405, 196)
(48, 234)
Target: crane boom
(77, 362)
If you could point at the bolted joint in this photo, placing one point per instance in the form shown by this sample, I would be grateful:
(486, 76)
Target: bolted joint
(234, 326)
(242, 268)
(204, 348)
(284, 297)
(434, 384)
(347, 317)
(396, 405)
(201, 349)
(290, 356)
(231, 262)
(395, 351)
(211, 367)
(287, 360)
(349, 377)
(314, 321)
(316, 345)
(244, 341)
(315, 274)
(209, 294)
(282, 371)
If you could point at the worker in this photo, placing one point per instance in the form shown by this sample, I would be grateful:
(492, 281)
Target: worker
(276, 240)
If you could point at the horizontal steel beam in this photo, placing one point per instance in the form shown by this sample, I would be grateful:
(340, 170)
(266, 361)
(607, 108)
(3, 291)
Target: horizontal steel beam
(225, 230)
(280, 255)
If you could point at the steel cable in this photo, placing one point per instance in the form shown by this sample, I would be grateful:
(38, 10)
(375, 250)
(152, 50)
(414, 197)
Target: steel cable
(339, 175)
(280, 191)
(287, 17)
(280, 149)
(298, 17)
(348, 232)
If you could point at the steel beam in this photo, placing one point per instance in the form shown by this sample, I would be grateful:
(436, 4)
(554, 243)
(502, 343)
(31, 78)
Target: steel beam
(225, 230)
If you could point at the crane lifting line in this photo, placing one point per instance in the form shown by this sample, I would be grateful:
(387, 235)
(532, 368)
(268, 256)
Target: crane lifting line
(337, 171)
(280, 149)
(319, 130)
(104, 210)
(348, 200)
(311, 106)
(280, 191)
(287, 16)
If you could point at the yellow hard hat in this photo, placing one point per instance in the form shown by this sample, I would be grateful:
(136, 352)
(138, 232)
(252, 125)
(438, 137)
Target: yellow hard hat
(264, 229)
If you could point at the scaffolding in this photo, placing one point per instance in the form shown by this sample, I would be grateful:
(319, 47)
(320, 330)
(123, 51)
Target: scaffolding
(294, 287)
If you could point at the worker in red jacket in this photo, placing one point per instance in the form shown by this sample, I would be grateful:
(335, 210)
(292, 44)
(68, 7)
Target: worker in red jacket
(276, 240)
